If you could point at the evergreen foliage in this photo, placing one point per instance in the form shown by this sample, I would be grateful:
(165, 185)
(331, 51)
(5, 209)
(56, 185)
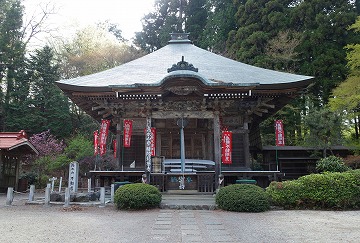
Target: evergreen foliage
(12, 59)
(80, 149)
(318, 191)
(346, 97)
(220, 21)
(331, 164)
(324, 129)
(242, 198)
(137, 196)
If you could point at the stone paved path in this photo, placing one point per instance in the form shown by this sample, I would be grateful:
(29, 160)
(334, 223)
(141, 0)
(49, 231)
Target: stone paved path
(190, 226)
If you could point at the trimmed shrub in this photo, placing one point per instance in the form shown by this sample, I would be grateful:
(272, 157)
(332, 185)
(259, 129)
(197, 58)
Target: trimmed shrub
(320, 191)
(137, 196)
(331, 164)
(242, 198)
(285, 194)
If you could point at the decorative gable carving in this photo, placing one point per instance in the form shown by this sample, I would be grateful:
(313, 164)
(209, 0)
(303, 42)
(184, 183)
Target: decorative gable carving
(182, 65)
(182, 90)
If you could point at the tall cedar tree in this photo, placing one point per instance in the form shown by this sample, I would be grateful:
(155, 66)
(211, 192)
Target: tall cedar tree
(166, 19)
(13, 84)
(324, 24)
(220, 21)
(48, 107)
(315, 32)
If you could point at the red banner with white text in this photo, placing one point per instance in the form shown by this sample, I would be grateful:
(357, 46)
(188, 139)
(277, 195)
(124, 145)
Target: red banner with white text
(279, 133)
(127, 133)
(96, 142)
(104, 130)
(226, 147)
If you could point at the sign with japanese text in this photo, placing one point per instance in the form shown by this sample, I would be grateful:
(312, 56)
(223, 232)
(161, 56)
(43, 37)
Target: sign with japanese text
(152, 140)
(104, 130)
(148, 138)
(73, 176)
(279, 133)
(226, 147)
(127, 133)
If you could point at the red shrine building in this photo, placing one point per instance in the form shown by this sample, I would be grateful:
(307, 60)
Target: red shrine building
(13, 146)
(194, 115)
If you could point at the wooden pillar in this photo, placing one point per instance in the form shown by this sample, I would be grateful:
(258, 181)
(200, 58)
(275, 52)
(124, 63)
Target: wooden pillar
(217, 147)
(210, 145)
(118, 146)
(158, 144)
(246, 145)
(203, 146)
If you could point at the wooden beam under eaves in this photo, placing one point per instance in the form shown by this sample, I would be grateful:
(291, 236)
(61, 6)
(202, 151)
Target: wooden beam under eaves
(258, 113)
(267, 105)
(102, 112)
(261, 110)
(107, 115)
(95, 108)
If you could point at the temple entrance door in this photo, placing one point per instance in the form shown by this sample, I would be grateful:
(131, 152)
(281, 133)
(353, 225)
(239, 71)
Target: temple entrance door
(196, 137)
(195, 146)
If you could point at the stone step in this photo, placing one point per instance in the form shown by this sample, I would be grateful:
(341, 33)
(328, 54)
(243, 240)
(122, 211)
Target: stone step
(182, 192)
(189, 202)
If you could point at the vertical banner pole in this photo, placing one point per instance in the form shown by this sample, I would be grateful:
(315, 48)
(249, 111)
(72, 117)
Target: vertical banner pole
(182, 149)
(279, 139)
(217, 146)
(277, 160)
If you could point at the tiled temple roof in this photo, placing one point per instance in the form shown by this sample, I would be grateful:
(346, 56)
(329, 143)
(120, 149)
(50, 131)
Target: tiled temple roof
(212, 70)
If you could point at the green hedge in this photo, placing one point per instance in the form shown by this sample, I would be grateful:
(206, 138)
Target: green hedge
(242, 198)
(137, 196)
(331, 164)
(327, 191)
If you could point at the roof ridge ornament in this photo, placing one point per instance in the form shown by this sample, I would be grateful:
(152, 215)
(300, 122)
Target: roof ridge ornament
(179, 38)
(182, 65)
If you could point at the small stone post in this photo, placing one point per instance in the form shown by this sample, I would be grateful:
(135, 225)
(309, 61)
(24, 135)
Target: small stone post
(9, 196)
(60, 183)
(31, 193)
(52, 183)
(47, 195)
(89, 185)
(67, 197)
(102, 196)
(112, 193)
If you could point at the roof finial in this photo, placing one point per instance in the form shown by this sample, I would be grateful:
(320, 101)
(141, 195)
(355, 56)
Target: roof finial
(180, 26)
(179, 38)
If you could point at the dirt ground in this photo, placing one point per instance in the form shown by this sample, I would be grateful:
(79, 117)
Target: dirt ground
(38, 223)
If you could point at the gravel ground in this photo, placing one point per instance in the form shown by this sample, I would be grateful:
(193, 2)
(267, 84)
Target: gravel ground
(37, 223)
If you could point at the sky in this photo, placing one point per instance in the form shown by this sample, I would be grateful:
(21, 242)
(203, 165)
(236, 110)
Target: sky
(74, 14)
